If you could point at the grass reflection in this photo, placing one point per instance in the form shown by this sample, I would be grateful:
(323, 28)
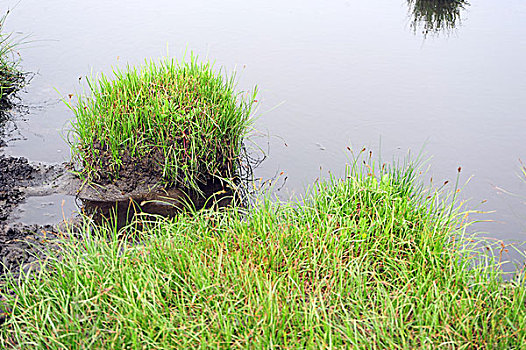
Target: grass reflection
(433, 17)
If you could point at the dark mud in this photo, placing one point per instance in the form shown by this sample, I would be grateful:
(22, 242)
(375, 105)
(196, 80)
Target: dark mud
(133, 173)
(23, 244)
(150, 196)
(14, 172)
(137, 186)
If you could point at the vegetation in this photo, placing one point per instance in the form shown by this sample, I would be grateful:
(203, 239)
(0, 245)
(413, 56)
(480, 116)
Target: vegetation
(181, 121)
(11, 79)
(436, 16)
(370, 261)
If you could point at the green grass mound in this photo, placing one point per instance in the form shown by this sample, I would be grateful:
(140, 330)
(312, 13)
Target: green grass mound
(366, 262)
(11, 79)
(180, 122)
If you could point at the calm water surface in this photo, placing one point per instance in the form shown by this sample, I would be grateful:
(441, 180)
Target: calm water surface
(331, 74)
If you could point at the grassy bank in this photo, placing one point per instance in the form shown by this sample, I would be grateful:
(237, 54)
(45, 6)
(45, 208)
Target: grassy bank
(180, 121)
(370, 261)
(11, 79)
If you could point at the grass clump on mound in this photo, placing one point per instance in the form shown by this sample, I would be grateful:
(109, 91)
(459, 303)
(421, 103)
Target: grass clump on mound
(366, 262)
(179, 121)
(11, 78)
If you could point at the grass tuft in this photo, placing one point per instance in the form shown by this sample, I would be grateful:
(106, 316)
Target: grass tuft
(11, 78)
(370, 261)
(180, 121)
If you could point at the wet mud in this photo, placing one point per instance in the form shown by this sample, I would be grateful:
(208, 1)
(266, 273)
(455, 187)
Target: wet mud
(103, 203)
(137, 186)
(21, 244)
(13, 173)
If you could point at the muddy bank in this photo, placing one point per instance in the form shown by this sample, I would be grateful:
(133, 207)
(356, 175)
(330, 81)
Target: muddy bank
(14, 172)
(150, 197)
(19, 178)
(139, 186)
(21, 245)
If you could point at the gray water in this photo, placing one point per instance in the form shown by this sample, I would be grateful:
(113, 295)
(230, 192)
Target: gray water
(331, 74)
(46, 210)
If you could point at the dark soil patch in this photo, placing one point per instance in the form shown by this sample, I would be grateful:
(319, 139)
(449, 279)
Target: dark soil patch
(133, 172)
(18, 176)
(14, 172)
(137, 185)
(22, 244)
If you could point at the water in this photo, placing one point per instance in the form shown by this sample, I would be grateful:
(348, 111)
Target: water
(331, 74)
(46, 210)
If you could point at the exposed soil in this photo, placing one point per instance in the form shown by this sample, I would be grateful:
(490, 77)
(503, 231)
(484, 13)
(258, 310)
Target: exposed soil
(21, 245)
(14, 172)
(133, 173)
(140, 187)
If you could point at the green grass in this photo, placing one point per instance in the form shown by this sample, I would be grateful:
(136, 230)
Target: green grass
(373, 260)
(183, 120)
(11, 78)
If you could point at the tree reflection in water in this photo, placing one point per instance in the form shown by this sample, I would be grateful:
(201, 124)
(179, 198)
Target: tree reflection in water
(436, 16)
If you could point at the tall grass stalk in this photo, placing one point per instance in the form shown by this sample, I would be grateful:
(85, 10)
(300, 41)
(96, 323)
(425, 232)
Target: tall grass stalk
(183, 118)
(371, 261)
